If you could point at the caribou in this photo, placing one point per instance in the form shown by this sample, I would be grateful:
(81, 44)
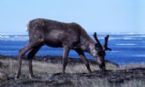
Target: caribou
(66, 35)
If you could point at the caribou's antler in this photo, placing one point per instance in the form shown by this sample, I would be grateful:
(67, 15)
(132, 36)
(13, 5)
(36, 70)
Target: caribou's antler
(105, 47)
(106, 43)
(95, 36)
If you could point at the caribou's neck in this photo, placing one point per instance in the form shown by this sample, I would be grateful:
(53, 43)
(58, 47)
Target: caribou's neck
(92, 49)
(87, 44)
(90, 46)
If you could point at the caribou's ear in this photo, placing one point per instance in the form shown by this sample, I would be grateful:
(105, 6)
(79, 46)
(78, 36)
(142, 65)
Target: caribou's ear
(96, 38)
(106, 43)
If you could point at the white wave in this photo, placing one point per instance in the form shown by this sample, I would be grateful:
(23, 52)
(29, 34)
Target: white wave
(121, 38)
(128, 44)
(127, 38)
(14, 37)
(139, 55)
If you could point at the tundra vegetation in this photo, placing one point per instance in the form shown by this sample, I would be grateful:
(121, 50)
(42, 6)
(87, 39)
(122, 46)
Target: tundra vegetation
(47, 71)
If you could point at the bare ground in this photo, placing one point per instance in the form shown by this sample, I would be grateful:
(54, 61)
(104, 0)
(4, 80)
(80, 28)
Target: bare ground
(47, 71)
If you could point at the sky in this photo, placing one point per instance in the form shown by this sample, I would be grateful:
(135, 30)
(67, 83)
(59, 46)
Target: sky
(102, 16)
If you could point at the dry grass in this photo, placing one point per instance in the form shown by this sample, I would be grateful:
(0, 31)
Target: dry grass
(74, 78)
(45, 67)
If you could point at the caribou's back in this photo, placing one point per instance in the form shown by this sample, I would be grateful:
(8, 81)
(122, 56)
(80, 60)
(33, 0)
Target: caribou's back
(55, 33)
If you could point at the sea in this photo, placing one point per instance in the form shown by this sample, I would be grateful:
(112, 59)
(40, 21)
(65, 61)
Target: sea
(126, 48)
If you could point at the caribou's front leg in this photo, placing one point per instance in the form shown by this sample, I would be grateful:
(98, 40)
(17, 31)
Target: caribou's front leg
(65, 58)
(84, 59)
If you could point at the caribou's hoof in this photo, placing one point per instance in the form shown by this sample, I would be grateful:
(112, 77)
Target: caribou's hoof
(32, 77)
(16, 77)
(90, 71)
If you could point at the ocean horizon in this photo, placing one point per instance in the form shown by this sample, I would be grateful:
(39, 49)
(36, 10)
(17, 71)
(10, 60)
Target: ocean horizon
(126, 48)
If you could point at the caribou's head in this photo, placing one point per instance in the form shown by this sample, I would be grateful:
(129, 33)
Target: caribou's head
(99, 51)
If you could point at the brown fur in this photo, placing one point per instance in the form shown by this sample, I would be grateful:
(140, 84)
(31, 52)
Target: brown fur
(58, 34)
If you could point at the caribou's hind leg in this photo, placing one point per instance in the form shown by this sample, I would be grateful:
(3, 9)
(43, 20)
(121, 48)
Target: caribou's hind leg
(84, 59)
(22, 52)
(30, 55)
